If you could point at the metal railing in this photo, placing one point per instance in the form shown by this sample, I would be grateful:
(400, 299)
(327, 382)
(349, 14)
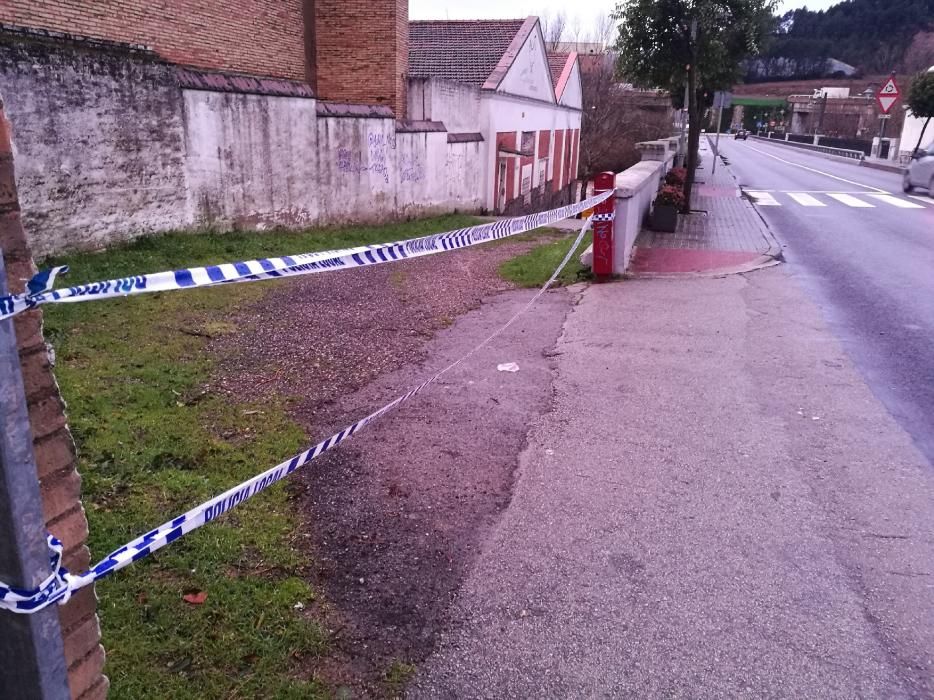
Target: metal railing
(830, 150)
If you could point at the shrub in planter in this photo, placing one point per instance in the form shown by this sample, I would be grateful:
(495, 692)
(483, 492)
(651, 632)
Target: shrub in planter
(676, 176)
(665, 210)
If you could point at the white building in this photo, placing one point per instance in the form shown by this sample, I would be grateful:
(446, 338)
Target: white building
(493, 81)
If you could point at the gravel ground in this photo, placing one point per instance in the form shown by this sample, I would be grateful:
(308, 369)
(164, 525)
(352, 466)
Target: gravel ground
(393, 519)
(317, 338)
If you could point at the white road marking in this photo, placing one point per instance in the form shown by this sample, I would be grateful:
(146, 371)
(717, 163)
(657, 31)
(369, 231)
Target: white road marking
(806, 200)
(849, 200)
(817, 191)
(763, 199)
(896, 201)
(819, 172)
(926, 200)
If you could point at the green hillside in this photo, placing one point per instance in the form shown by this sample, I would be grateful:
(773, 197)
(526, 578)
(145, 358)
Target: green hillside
(872, 35)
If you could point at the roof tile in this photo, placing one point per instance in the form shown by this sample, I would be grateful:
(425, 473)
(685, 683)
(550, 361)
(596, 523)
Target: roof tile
(556, 63)
(465, 51)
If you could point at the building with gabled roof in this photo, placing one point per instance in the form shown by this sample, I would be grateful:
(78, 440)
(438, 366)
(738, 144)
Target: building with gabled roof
(494, 81)
(566, 78)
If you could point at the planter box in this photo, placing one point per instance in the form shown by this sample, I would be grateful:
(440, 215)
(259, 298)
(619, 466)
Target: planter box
(665, 218)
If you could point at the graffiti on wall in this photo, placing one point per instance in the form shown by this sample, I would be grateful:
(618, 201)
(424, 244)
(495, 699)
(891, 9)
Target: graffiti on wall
(351, 160)
(411, 169)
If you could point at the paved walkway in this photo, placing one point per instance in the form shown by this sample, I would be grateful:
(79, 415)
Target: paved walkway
(716, 506)
(724, 233)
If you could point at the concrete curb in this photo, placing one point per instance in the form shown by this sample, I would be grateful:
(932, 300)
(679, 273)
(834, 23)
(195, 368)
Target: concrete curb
(760, 263)
(774, 250)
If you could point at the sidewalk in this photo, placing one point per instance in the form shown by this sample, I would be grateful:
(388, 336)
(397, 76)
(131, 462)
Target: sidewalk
(724, 235)
(716, 505)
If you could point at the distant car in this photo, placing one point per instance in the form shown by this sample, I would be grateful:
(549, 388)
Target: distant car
(920, 172)
(741, 134)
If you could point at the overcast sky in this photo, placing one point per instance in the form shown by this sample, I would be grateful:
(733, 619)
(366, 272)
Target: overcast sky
(508, 9)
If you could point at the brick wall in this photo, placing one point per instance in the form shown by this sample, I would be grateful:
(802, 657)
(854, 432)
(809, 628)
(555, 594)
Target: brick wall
(59, 481)
(247, 36)
(99, 139)
(363, 51)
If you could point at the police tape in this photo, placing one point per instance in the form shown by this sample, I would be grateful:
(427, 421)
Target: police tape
(40, 291)
(61, 584)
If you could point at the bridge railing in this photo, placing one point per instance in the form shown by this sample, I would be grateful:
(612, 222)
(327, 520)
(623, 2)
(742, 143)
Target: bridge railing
(853, 154)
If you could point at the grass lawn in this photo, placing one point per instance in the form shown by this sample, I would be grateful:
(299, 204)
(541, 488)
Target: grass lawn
(535, 267)
(151, 445)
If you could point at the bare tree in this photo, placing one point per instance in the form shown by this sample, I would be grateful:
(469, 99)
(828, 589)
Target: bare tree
(615, 119)
(603, 27)
(553, 28)
(574, 29)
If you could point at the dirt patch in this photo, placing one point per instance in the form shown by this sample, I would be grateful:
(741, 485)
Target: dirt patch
(395, 517)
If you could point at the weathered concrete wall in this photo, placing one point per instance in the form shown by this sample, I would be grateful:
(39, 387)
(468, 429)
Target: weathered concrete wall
(356, 176)
(463, 175)
(455, 104)
(98, 140)
(636, 188)
(112, 144)
(250, 159)
(437, 176)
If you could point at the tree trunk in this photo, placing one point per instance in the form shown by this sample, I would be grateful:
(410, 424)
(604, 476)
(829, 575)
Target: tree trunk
(921, 136)
(694, 128)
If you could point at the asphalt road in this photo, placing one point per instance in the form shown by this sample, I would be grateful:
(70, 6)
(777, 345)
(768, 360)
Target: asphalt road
(865, 253)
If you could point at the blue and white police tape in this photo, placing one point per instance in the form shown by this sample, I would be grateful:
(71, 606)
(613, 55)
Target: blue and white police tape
(59, 587)
(40, 287)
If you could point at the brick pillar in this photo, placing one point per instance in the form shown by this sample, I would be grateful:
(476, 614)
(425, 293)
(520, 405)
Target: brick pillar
(56, 461)
(362, 49)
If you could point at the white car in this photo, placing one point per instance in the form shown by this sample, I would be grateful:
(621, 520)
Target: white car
(920, 172)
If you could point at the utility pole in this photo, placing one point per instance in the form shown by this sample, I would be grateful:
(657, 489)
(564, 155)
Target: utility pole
(684, 122)
(32, 656)
(716, 148)
(685, 106)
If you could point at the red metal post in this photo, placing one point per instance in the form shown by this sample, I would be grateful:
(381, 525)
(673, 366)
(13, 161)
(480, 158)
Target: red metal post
(602, 224)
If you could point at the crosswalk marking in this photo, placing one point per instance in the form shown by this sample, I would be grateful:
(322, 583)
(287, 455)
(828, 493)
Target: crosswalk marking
(763, 199)
(896, 201)
(851, 201)
(821, 198)
(806, 200)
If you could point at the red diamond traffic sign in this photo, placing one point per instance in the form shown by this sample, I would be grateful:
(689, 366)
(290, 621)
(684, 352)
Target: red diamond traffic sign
(888, 95)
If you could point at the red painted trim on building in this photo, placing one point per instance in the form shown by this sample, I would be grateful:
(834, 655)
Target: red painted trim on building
(567, 156)
(544, 140)
(510, 179)
(558, 166)
(504, 139)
